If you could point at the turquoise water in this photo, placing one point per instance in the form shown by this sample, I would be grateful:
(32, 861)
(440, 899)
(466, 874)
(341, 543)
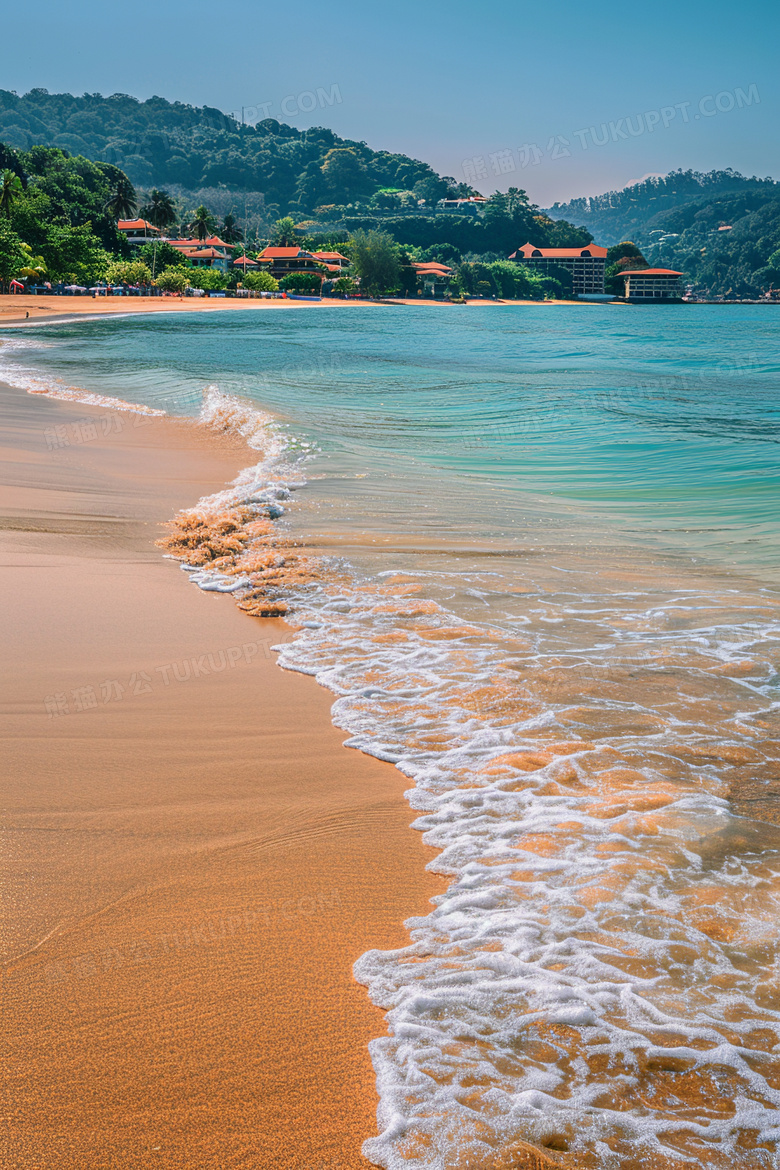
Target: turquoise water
(549, 597)
(661, 421)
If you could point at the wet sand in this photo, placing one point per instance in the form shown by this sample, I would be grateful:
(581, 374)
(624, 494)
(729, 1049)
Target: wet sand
(193, 859)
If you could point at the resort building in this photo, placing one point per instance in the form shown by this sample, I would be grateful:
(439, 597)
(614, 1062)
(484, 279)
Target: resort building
(652, 284)
(209, 253)
(280, 262)
(473, 205)
(244, 263)
(433, 279)
(586, 265)
(332, 260)
(138, 231)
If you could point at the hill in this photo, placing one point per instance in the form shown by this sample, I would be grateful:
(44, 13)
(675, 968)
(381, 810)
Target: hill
(171, 144)
(262, 172)
(626, 214)
(727, 247)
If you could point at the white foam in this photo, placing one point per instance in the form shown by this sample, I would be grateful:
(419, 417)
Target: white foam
(502, 954)
(49, 386)
(573, 932)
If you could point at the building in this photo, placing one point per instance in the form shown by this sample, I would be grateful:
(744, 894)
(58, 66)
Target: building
(138, 231)
(281, 262)
(209, 253)
(473, 205)
(244, 263)
(433, 279)
(586, 265)
(645, 284)
(332, 260)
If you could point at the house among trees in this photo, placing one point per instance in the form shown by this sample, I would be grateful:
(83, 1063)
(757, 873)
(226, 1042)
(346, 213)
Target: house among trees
(281, 262)
(333, 260)
(433, 279)
(209, 253)
(586, 265)
(642, 284)
(472, 205)
(138, 231)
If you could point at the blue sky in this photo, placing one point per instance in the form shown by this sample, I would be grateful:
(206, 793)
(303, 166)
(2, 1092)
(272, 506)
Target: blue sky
(563, 99)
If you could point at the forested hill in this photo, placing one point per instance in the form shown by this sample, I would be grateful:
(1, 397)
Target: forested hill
(163, 144)
(627, 214)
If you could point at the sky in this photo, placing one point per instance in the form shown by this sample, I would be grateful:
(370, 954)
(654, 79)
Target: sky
(563, 99)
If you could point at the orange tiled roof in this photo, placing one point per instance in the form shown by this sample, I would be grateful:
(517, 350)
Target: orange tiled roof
(129, 225)
(527, 250)
(245, 260)
(281, 253)
(330, 256)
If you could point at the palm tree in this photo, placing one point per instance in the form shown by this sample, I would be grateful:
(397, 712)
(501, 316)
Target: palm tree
(122, 202)
(35, 266)
(10, 190)
(283, 234)
(204, 223)
(159, 210)
(230, 231)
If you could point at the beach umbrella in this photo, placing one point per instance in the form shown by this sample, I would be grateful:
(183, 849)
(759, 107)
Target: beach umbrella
(75, 288)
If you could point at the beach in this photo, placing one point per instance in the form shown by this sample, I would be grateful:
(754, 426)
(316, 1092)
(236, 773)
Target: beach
(193, 860)
(528, 568)
(18, 308)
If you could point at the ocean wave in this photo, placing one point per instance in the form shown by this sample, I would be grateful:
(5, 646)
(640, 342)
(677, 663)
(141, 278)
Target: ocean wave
(15, 373)
(598, 986)
(229, 541)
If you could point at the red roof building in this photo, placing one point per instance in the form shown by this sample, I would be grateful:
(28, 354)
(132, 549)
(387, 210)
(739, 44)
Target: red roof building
(332, 260)
(137, 227)
(587, 265)
(244, 262)
(643, 284)
(433, 278)
(209, 253)
(281, 262)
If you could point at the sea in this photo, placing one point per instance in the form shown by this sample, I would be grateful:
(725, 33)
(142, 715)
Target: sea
(547, 590)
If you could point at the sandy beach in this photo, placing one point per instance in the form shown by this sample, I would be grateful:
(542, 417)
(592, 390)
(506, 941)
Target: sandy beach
(193, 859)
(14, 309)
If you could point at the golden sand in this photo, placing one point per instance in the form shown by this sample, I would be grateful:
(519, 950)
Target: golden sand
(193, 860)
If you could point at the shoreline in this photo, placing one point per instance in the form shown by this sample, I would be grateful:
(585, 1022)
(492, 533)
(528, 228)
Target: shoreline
(197, 860)
(13, 308)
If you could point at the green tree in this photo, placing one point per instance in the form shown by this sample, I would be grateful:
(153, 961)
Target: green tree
(128, 272)
(375, 261)
(620, 258)
(345, 286)
(12, 255)
(74, 254)
(122, 202)
(160, 210)
(260, 281)
(283, 233)
(173, 280)
(344, 173)
(307, 282)
(203, 223)
(230, 231)
(34, 266)
(159, 255)
(10, 190)
(209, 279)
